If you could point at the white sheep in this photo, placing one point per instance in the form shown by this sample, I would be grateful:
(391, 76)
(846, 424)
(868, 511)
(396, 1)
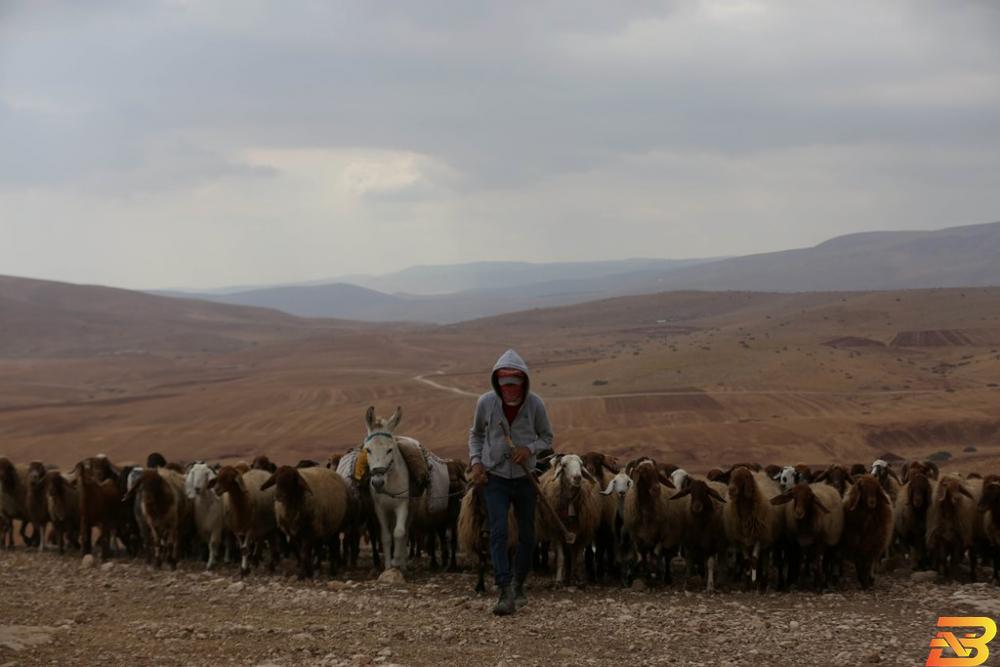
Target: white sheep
(208, 510)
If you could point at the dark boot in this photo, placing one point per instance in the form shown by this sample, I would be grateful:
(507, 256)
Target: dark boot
(520, 599)
(505, 604)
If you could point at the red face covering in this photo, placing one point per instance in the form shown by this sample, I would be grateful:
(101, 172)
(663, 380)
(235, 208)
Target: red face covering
(512, 394)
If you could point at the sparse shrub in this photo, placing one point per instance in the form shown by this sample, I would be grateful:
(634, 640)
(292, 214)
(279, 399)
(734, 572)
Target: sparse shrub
(598, 383)
(939, 456)
(970, 448)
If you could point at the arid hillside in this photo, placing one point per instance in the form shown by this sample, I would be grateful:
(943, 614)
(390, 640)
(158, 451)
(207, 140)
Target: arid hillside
(691, 377)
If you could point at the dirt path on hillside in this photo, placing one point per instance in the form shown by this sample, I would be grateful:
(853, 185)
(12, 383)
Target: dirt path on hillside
(54, 612)
(707, 392)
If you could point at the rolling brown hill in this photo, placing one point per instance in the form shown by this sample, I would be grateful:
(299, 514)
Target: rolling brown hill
(45, 319)
(691, 377)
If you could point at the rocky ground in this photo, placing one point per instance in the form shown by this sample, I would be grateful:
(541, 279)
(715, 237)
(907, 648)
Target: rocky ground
(55, 611)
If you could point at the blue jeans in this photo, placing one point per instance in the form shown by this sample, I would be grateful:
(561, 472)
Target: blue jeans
(500, 493)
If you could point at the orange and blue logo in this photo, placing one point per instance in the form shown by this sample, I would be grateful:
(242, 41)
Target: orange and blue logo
(969, 649)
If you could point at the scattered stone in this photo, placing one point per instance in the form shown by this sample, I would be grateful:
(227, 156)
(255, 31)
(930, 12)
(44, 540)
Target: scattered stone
(107, 567)
(237, 587)
(391, 576)
(88, 562)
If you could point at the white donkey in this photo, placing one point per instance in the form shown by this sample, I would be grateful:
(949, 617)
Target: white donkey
(390, 486)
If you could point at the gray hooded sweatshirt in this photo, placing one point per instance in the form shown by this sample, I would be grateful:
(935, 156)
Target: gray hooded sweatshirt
(531, 428)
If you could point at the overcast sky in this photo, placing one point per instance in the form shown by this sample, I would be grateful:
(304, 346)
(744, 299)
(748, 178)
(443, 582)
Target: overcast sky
(198, 143)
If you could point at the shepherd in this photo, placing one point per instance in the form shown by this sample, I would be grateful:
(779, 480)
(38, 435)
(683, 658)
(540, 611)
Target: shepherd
(510, 412)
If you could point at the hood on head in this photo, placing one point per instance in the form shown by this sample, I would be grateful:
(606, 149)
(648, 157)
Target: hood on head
(510, 359)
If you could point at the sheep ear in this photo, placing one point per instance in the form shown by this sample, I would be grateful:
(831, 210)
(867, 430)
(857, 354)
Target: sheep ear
(394, 419)
(268, 483)
(893, 474)
(370, 417)
(610, 464)
(681, 494)
(131, 494)
(610, 489)
(820, 477)
(666, 481)
(712, 493)
(588, 474)
(785, 497)
(852, 504)
(303, 485)
(211, 482)
(965, 492)
(820, 506)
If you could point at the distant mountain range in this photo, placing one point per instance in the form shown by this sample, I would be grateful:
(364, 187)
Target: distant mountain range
(953, 257)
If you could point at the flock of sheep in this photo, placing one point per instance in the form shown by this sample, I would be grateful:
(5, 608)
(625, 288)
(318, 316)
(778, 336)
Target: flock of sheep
(747, 523)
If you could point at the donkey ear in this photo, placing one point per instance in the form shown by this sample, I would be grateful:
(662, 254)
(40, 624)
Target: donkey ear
(394, 419)
(370, 417)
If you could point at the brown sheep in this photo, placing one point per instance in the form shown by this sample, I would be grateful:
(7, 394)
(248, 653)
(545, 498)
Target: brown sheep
(646, 513)
(474, 532)
(989, 507)
(263, 463)
(13, 500)
(814, 524)
(753, 525)
(249, 513)
(836, 476)
(309, 508)
(62, 499)
(704, 534)
(951, 522)
(36, 509)
(100, 504)
(166, 511)
(602, 468)
(867, 527)
(910, 517)
(572, 492)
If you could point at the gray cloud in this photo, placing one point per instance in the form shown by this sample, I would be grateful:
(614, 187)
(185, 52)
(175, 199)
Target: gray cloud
(334, 125)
